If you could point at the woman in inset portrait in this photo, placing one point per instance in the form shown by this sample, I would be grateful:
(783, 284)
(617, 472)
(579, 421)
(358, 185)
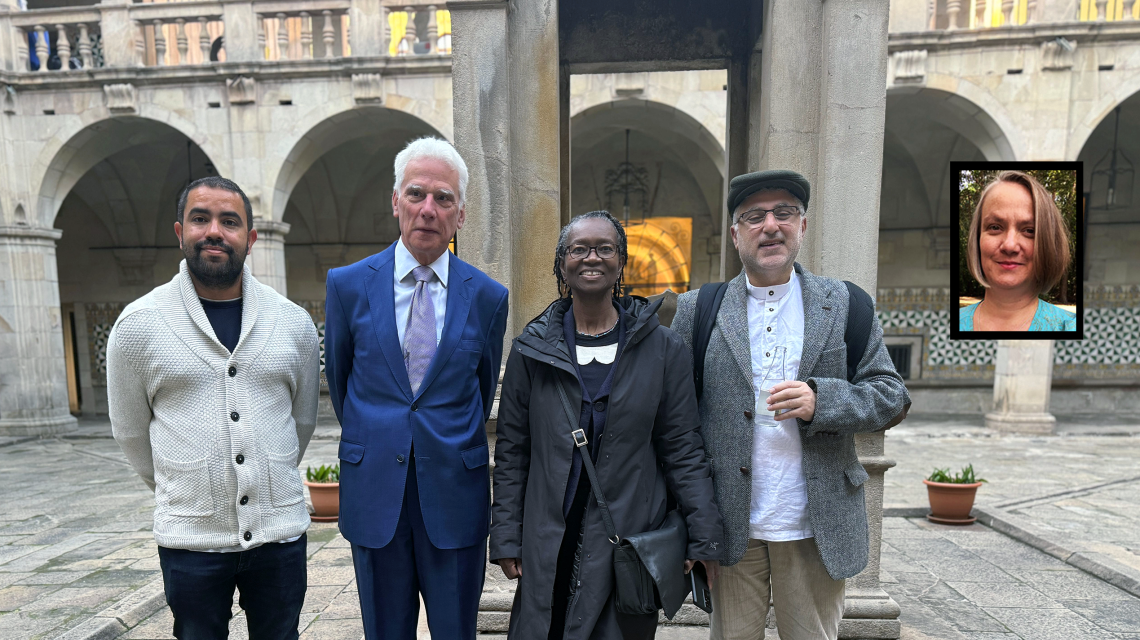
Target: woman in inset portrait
(1018, 250)
(599, 364)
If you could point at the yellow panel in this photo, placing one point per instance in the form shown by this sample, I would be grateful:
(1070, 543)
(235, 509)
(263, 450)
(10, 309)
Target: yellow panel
(398, 21)
(660, 251)
(443, 21)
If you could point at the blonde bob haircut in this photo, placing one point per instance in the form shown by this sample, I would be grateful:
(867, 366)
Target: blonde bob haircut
(1050, 237)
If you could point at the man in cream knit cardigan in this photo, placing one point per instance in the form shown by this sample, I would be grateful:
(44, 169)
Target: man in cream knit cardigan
(212, 381)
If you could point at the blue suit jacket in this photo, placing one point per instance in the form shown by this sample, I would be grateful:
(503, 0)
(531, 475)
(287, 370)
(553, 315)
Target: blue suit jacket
(381, 420)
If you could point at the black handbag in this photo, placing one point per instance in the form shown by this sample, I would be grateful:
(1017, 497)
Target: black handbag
(649, 567)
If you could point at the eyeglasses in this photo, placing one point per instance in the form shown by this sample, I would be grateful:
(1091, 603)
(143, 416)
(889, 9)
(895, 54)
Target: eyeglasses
(580, 251)
(756, 217)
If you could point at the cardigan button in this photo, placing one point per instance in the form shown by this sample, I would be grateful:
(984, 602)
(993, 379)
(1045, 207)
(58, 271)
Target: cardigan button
(248, 536)
(232, 371)
(234, 416)
(748, 415)
(744, 470)
(239, 459)
(244, 500)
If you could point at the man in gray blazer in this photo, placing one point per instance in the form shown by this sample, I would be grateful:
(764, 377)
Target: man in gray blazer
(779, 416)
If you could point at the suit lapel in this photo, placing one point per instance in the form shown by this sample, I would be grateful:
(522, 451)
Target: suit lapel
(819, 315)
(382, 304)
(732, 320)
(458, 306)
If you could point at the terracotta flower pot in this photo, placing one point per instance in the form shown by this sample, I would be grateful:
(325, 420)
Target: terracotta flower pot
(326, 500)
(950, 503)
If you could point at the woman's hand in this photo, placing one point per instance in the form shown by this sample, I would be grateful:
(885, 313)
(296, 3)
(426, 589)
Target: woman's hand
(512, 567)
(712, 568)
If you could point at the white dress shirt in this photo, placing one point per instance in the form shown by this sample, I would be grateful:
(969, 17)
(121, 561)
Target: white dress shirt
(779, 488)
(404, 286)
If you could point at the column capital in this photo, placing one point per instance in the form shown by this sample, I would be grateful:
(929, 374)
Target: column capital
(275, 229)
(32, 233)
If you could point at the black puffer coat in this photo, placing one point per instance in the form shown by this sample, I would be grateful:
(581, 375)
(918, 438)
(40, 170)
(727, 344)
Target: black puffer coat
(651, 442)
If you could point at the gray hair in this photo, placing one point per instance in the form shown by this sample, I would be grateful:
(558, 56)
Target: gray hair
(436, 149)
(799, 203)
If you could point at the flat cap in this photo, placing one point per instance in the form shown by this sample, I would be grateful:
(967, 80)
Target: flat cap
(745, 185)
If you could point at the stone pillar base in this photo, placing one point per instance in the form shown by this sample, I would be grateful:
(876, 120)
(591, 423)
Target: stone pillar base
(869, 614)
(15, 427)
(1033, 423)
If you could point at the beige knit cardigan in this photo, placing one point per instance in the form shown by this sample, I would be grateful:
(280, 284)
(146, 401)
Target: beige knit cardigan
(185, 411)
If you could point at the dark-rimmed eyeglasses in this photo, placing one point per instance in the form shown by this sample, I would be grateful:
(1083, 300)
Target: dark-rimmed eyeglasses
(756, 217)
(580, 251)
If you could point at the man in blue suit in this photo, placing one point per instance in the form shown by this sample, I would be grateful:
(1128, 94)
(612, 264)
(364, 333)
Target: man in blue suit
(413, 342)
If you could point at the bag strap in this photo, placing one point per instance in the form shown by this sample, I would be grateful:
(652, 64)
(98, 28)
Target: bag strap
(709, 299)
(581, 442)
(860, 318)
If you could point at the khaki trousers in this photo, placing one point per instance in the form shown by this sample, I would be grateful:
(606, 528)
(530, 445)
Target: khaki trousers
(808, 602)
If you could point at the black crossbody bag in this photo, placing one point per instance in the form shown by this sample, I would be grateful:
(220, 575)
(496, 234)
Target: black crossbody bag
(649, 567)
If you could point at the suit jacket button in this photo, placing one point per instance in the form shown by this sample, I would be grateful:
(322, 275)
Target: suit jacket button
(399, 457)
(748, 415)
(744, 470)
(415, 407)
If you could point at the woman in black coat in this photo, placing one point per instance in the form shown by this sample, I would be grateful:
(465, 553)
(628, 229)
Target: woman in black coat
(632, 381)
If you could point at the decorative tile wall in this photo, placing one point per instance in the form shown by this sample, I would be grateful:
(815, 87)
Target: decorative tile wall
(1110, 349)
(101, 317)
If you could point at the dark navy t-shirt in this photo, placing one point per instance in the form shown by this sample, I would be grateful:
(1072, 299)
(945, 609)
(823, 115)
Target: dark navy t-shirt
(225, 318)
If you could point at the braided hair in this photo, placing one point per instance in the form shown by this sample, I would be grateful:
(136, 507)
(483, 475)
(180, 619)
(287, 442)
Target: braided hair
(560, 252)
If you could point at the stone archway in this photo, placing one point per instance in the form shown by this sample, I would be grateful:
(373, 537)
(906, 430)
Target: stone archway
(336, 192)
(680, 176)
(109, 189)
(1113, 226)
(927, 129)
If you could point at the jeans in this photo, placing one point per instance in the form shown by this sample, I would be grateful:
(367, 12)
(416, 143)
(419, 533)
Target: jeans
(200, 585)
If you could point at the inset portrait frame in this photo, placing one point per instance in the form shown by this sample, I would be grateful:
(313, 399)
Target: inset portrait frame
(961, 220)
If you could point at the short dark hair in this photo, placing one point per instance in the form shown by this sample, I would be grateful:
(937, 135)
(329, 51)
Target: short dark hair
(560, 251)
(216, 182)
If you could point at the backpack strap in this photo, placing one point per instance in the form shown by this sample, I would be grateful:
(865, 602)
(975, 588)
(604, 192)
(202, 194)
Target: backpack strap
(708, 305)
(860, 317)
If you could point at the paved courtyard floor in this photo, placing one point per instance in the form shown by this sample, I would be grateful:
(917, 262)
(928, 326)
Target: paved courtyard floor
(77, 558)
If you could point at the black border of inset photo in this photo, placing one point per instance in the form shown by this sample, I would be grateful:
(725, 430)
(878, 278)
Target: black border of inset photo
(955, 252)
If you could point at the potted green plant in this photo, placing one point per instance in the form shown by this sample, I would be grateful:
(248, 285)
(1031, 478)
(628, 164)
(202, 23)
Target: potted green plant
(324, 489)
(952, 496)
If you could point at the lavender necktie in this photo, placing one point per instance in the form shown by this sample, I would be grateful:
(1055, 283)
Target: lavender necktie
(419, 336)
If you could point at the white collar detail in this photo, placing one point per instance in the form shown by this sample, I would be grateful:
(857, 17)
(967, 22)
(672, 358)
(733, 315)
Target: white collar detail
(774, 292)
(405, 262)
(604, 355)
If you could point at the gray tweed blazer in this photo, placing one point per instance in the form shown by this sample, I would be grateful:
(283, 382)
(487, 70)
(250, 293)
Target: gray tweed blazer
(834, 475)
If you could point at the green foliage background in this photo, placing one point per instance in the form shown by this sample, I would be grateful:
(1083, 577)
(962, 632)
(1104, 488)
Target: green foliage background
(1062, 184)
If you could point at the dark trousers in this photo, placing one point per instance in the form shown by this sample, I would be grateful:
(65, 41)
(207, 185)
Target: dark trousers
(200, 590)
(388, 580)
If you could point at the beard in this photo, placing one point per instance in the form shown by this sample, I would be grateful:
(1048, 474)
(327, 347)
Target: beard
(210, 274)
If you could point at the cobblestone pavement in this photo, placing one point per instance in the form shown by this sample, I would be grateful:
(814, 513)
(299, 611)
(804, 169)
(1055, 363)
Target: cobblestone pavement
(77, 555)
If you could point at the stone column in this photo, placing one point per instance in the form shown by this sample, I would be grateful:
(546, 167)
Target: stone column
(242, 27)
(367, 32)
(267, 258)
(828, 125)
(1023, 377)
(505, 84)
(33, 373)
(119, 34)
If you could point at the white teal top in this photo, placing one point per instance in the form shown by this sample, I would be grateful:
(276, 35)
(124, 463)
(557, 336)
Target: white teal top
(1048, 318)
